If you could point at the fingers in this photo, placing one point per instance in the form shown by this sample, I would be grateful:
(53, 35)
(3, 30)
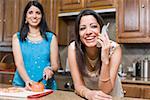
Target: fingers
(102, 94)
(29, 84)
(47, 74)
(98, 95)
(104, 41)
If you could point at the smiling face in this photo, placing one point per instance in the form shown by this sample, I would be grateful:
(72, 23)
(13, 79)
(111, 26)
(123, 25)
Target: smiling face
(33, 16)
(89, 30)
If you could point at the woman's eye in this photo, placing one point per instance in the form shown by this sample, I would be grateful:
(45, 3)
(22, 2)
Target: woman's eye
(30, 12)
(82, 28)
(38, 12)
(94, 26)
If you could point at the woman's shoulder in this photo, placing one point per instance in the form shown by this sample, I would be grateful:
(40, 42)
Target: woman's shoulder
(49, 33)
(15, 36)
(72, 45)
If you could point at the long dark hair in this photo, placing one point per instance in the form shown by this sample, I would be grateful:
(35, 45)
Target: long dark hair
(80, 48)
(24, 26)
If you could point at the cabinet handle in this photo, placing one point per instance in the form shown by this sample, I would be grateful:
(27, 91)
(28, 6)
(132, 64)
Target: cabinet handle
(124, 92)
(10, 81)
(4, 20)
(78, 1)
(143, 6)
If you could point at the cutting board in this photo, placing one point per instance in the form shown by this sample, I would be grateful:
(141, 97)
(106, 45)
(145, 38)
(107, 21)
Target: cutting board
(25, 93)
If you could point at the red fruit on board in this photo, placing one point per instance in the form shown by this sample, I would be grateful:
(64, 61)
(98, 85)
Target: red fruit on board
(37, 87)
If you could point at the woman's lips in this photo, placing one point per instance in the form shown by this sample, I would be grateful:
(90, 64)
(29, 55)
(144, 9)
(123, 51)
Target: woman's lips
(90, 39)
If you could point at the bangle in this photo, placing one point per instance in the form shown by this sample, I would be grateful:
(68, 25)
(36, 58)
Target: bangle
(50, 68)
(83, 91)
(105, 80)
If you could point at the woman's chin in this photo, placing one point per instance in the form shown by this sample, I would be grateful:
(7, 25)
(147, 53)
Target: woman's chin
(91, 45)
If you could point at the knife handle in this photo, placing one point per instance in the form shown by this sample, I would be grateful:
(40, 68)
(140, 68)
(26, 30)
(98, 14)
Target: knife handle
(40, 94)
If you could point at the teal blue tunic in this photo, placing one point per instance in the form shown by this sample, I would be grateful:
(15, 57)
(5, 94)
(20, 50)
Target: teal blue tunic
(36, 56)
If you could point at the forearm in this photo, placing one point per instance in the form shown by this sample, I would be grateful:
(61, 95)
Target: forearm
(104, 80)
(23, 73)
(82, 90)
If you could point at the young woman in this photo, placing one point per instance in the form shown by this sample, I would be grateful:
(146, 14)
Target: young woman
(94, 69)
(35, 49)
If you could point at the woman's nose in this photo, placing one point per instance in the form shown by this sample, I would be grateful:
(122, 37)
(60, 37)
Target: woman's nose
(34, 15)
(88, 31)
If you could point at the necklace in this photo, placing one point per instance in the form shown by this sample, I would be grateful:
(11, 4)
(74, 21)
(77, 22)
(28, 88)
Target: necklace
(91, 64)
(34, 35)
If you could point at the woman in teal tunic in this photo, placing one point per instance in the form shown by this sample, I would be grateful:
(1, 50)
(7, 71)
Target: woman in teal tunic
(35, 49)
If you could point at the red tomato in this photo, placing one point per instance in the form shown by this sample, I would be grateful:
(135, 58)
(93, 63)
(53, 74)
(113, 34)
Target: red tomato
(37, 87)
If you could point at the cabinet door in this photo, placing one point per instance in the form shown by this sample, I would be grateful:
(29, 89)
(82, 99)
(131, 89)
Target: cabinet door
(66, 5)
(99, 3)
(1, 19)
(51, 12)
(146, 92)
(6, 78)
(66, 30)
(131, 90)
(148, 17)
(132, 21)
(10, 19)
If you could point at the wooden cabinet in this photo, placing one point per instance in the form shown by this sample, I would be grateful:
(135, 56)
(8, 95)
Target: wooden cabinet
(77, 5)
(136, 90)
(133, 21)
(9, 23)
(66, 29)
(146, 92)
(71, 4)
(99, 3)
(51, 13)
(11, 12)
(6, 77)
(131, 90)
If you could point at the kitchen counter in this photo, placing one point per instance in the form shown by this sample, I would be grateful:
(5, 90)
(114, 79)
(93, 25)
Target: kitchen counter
(136, 80)
(57, 95)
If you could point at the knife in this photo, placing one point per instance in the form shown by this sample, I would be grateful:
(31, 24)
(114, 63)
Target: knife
(42, 78)
(40, 94)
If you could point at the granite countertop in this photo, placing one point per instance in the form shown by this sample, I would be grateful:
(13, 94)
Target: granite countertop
(59, 95)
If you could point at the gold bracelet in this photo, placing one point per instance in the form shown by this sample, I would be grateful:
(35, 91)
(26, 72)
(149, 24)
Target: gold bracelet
(81, 92)
(105, 80)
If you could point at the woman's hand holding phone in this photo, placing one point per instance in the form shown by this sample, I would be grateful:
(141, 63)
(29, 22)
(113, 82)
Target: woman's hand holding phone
(104, 43)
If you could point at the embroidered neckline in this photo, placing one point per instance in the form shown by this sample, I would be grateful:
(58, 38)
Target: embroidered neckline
(34, 42)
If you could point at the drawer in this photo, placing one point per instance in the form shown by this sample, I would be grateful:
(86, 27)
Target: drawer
(146, 92)
(64, 82)
(132, 90)
(6, 78)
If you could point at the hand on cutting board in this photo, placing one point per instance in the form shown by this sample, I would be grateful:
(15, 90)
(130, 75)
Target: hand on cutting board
(29, 84)
(35, 86)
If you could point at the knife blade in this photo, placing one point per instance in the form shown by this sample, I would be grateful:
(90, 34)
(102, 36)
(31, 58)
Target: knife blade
(42, 78)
